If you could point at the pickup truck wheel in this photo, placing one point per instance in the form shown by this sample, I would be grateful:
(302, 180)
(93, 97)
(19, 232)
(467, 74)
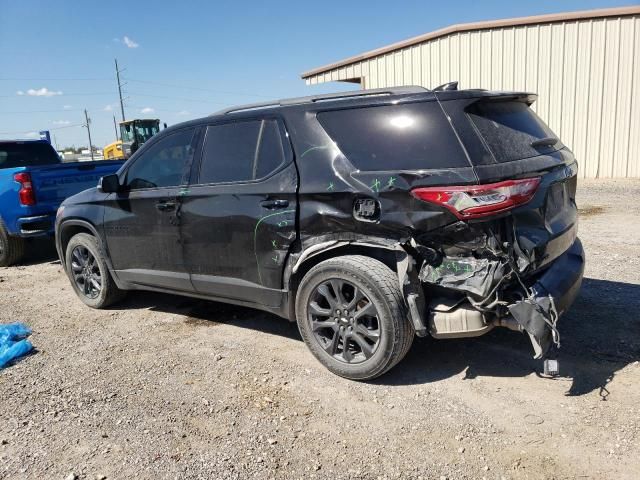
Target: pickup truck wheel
(352, 316)
(11, 248)
(88, 272)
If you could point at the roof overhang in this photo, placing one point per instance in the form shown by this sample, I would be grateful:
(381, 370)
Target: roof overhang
(465, 27)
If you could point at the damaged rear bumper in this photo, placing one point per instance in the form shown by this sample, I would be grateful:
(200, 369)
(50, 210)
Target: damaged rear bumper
(553, 293)
(534, 308)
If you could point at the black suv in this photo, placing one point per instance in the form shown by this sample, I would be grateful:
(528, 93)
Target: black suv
(367, 217)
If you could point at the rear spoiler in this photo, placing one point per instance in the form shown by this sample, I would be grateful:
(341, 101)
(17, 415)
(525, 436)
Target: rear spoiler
(479, 95)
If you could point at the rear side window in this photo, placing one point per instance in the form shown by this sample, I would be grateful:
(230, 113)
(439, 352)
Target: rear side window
(413, 136)
(510, 128)
(241, 151)
(27, 154)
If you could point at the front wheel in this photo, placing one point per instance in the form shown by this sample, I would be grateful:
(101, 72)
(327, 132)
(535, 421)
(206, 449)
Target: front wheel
(352, 316)
(89, 274)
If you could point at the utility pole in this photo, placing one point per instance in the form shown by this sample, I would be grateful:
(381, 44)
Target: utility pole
(86, 116)
(119, 89)
(115, 127)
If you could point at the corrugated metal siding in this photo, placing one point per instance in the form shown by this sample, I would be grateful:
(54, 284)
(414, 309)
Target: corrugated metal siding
(586, 74)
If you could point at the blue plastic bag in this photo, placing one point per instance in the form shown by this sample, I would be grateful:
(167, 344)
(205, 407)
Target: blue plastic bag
(13, 343)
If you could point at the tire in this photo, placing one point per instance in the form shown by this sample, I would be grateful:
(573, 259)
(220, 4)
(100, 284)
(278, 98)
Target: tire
(84, 246)
(362, 276)
(11, 248)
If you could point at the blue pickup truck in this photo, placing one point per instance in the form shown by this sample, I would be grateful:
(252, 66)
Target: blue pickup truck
(33, 183)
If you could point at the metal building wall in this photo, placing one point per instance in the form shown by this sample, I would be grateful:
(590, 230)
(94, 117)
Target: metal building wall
(586, 73)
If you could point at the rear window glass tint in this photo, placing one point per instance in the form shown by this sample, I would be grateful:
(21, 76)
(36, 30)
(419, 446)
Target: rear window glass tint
(509, 128)
(18, 154)
(413, 136)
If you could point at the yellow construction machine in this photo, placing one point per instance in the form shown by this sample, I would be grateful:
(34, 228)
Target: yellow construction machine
(133, 133)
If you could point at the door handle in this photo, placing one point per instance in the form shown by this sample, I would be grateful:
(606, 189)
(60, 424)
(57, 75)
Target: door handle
(166, 206)
(271, 204)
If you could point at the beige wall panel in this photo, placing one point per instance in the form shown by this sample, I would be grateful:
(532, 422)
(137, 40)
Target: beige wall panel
(568, 84)
(416, 65)
(507, 59)
(435, 64)
(463, 64)
(594, 114)
(397, 77)
(520, 59)
(544, 70)
(497, 53)
(407, 70)
(454, 58)
(389, 70)
(609, 97)
(531, 61)
(485, 58)
(624, 92)
(474, 60)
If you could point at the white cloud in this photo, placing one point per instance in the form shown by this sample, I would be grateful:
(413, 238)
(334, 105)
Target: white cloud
(184, 112)
(40, 92)
(61, 123)
(130, 43)
(147, 110)
(108, 108)
(67, 107)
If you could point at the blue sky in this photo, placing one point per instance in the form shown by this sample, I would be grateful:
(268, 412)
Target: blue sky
(186, 59)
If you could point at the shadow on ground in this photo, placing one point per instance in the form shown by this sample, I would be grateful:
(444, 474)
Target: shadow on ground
(600, 335)
(39, 250)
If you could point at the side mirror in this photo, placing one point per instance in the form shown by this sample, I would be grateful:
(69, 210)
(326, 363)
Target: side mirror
(109, 184)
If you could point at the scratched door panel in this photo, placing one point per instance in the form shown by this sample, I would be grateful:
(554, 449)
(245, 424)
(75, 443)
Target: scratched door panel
(237, 234)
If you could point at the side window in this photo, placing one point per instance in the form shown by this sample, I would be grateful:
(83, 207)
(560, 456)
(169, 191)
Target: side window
(241, 151)
(162, 165)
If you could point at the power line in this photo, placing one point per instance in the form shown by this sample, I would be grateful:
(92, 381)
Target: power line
(148, 82)
(41, 111)
(172, 85)
(52, 79)
(53, 128)
(166, 97)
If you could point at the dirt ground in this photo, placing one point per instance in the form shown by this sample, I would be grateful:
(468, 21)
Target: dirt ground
(169, 387)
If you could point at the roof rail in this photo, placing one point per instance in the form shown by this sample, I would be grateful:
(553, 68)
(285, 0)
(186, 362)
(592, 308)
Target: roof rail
(323, 98)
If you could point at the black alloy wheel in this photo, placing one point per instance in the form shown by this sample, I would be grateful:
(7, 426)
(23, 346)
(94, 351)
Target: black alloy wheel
(344, 321)
(86, 273)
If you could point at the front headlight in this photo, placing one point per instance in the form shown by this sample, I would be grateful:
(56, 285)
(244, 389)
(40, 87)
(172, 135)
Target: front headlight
(59, 211)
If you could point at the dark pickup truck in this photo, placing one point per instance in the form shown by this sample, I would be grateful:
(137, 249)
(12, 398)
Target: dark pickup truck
(33, 183)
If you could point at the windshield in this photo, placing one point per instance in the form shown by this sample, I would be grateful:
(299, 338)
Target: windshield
(26, 154)
(145, 131)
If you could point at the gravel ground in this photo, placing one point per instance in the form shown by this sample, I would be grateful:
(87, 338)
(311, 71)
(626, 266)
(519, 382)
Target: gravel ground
(168, 387)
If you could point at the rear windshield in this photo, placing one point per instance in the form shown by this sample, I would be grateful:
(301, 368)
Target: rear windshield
(26, 154)
(412, 136)
(510, 130)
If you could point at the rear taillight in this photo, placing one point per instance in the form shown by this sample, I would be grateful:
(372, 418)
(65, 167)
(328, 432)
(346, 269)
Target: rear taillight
(26, 194)
(476, 201)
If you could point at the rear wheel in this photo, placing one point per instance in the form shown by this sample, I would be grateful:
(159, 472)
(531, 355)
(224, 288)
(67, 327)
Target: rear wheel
(89, 274)
(352, 316)
(11, 248)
